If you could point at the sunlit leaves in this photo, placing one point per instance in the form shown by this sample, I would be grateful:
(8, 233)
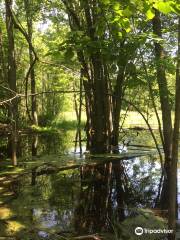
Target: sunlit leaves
(164, 7)
(150, 14)
(147, 7)
(106, 2)
(127, 12)
(116, 6)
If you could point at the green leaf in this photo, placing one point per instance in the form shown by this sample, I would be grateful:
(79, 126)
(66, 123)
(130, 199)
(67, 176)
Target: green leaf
(127, 12)
(126, 24)
(175, 7)
(150, 14)
(69, 54)
(164, 7)
(106, 2)
(120, 34)
(119, 12)
(116, 6)
(128, 29)
(116, 19)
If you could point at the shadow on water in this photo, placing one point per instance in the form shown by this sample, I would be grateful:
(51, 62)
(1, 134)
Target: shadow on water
(109, 197)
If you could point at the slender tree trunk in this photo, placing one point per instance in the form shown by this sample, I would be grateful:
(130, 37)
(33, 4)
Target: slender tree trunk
(165, 105)
(13, 107)
(78, 117)
(80, 110)
(28, 5)
(173, 167)
(117, 104)
(99, 126)
(2, 63)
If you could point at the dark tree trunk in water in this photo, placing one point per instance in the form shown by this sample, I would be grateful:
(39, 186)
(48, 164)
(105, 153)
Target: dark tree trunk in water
(100, 118)
(173, 166)
(28, 5)
(99, 131)
(165, 106)
(13, 107)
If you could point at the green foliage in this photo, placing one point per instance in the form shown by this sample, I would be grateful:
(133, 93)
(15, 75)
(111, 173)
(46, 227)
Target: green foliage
(150, 14)
(121, 30)
(167, 6)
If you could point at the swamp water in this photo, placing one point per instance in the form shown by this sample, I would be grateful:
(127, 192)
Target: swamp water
(106, 195)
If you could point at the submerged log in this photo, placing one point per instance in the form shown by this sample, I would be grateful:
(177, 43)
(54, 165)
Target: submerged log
(88, 237)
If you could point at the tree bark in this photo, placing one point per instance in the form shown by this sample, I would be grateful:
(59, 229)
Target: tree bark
(100, 139)
(117, 104)
(2, 63)
(165, 105)
(13, 107)
(173, 166)
(28, 4)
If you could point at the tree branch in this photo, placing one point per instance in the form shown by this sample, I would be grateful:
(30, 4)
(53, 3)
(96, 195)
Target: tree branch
(150, 129)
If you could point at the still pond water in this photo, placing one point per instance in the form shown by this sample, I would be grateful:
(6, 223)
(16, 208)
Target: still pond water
(105, 195)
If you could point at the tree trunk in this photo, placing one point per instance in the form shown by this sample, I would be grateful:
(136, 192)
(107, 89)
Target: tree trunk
(2, 63)
(165, 104)
(13, 107)
(173, 167)
(117, 104)
(101, 116)
(28, 4)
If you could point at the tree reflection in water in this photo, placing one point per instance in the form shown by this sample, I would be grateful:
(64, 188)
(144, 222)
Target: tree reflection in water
(109, 190)
(90, 199)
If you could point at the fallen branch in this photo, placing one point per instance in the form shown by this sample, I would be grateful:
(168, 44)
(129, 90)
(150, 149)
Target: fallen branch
(88, 237)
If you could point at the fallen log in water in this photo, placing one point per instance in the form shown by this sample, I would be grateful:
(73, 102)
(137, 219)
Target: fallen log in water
(88, 237)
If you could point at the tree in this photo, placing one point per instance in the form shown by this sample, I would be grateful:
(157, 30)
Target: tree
(175, 148)
(104, 90)
(164, 96)
(29, 18)
(13, 107)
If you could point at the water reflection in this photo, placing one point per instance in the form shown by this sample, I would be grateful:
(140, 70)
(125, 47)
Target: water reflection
(34, 144)
(87, 200)
(102, 194)
(65, 142)
(38, 144)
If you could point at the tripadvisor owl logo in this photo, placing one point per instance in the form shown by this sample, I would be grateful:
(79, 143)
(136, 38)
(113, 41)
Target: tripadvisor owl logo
(139, 231)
